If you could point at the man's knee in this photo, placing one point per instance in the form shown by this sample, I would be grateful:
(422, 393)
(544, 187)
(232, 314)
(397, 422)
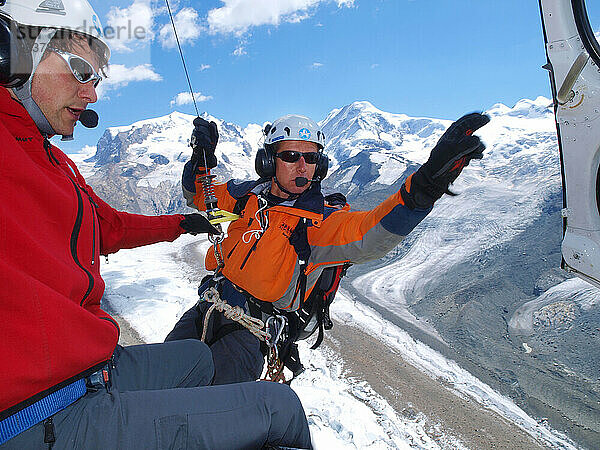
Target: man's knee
(185, 328)
(279, 396)
(202, 368)
(237, 358)
(288, 419)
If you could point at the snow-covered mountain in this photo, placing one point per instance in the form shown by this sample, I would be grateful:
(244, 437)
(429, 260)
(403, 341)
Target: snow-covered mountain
(370, 150)
(477, 280)
(138, 167)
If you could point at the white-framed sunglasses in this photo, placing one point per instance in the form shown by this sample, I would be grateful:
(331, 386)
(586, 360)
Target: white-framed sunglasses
(82, 70)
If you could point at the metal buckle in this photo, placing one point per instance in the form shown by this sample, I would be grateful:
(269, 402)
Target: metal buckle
(275, 326)
(98, 380)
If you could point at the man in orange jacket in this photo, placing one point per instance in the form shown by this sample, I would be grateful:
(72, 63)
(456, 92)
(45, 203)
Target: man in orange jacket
(261, 261)
(65, 381)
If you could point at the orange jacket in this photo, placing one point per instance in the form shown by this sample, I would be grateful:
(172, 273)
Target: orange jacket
(266, 265)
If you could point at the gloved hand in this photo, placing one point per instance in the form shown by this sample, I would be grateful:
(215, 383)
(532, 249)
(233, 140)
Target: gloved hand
(204, 141)
(197, 223)
(455, 149)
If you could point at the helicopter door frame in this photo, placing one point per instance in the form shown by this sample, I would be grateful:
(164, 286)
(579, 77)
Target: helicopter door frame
(573, 62)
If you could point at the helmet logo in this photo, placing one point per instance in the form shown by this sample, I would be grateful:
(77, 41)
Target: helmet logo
(52, 7)
(96, 24)
(304, 133)
(2, 2)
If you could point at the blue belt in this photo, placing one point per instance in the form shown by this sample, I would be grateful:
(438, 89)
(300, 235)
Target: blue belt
(41, 410)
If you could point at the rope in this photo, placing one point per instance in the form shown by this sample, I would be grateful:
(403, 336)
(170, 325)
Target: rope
(183, 61)
(235, 313)
(275, 366)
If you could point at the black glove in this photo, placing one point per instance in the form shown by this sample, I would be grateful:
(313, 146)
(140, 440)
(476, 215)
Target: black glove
(455, 149)
(203, 142)
(197, 223)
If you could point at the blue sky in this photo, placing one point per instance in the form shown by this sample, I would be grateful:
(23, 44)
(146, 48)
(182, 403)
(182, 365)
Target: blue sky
(255, 60)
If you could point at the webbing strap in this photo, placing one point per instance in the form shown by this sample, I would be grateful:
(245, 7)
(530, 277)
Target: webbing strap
(40, 410)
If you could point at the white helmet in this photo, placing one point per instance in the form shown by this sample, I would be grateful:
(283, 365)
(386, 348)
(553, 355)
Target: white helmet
(294, 128)
(50, 16)
(73, 15)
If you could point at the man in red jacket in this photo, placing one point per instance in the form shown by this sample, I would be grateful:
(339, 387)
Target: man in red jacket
(65, 381)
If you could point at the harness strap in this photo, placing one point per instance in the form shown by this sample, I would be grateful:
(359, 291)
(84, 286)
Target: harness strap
(41, 410)
(299, 240)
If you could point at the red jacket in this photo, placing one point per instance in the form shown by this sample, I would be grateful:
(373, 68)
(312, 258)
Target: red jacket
(53, 229)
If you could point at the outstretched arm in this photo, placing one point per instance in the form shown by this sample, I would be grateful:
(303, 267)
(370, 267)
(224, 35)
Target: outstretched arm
(366, 235)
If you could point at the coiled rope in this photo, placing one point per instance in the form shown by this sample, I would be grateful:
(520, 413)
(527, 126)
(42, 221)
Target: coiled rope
(235, 313)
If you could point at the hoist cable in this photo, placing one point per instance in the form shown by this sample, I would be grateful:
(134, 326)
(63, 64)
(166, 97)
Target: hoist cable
(215, 215)
(182, 58)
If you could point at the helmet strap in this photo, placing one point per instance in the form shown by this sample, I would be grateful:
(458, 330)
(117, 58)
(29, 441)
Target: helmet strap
(23, 93)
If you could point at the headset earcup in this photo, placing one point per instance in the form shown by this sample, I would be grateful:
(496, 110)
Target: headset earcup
(264, 163)
(322, 166)
(15, 59)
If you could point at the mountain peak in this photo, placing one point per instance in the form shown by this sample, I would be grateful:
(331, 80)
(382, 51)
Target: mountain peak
(524, 108)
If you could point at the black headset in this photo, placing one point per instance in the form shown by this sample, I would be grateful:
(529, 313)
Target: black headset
(264, 163)
(16, 62)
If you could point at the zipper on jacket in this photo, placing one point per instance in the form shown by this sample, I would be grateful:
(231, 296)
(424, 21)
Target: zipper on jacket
(75, 238)
(48, 148)
(236, 244)
(93, 205)
(78, 221)
(250, 252)
(231, 251)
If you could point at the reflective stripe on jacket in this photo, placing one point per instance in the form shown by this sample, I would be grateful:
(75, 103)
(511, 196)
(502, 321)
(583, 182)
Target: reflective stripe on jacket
(266, 264)
(53, 228)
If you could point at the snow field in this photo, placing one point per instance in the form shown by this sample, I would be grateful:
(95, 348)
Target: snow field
(150, 287)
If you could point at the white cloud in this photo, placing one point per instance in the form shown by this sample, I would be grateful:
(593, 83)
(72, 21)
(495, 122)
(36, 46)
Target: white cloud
(316, 65)
(237, 16)
(240, 50)
(188, 27)
(120, 76)
(129, 29)
(374, 66)
(185, 98)
(204, 67)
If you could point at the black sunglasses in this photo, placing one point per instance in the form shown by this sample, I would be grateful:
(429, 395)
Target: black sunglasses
(291, 156)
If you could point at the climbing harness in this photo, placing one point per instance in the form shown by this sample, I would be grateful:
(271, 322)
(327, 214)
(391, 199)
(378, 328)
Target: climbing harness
(274, 332)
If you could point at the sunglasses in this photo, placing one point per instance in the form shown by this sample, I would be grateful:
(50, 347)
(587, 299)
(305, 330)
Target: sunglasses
(82, 70)
(291, 156)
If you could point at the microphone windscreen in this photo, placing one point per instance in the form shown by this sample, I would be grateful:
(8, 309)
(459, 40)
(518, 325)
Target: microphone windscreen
(89, 118)
(301, 181)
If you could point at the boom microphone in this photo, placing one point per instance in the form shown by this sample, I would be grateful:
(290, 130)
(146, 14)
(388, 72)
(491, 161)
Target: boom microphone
(303, 181)
(89, 118)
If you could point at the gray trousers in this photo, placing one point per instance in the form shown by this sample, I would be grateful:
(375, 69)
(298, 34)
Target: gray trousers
(236, 355)
(158, 400)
